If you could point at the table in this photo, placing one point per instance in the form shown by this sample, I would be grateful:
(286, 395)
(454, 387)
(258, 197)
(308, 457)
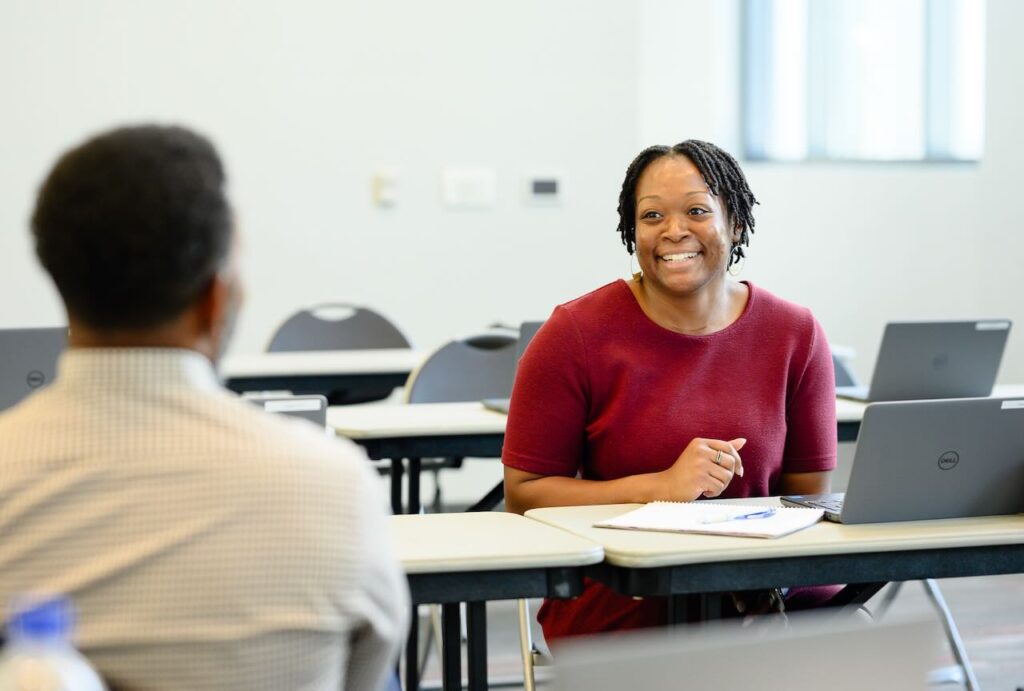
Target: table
(417, 431)
(341, 375)
(426, 430)
(475, 557)
(641, 563)
(848, 416)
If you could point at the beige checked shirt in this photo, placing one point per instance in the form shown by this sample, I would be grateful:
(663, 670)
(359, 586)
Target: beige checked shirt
(205, 543)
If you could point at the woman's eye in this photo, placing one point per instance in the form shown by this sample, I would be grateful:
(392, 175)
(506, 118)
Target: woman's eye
(650, 214)
(698, 212)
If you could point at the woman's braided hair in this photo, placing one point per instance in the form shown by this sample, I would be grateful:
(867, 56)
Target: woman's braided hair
(721, 173)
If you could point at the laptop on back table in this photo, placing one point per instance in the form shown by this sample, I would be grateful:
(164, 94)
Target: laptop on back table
(312, 407)
(925, 360)
(28, 361)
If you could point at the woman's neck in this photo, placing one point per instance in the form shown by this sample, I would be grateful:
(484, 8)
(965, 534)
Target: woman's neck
(711, 309)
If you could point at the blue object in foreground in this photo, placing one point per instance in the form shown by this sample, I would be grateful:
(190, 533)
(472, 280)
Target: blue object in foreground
(767, 513)
(756, 514)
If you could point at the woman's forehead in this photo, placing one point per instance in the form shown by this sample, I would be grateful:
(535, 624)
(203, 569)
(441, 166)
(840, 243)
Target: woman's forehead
(675, 174)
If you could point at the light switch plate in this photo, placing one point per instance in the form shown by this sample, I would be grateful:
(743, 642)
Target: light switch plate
(469, 188)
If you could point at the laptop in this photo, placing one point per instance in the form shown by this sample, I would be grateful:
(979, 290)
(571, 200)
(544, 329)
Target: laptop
(925, 360)
(813, 651)
(311, 407)
(526, 333)
(920, 460)
(28, 361)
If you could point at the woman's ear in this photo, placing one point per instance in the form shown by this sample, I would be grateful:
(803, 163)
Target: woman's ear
(737, 233)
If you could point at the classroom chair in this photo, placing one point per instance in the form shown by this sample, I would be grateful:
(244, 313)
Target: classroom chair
(338, 326)
(468, 368)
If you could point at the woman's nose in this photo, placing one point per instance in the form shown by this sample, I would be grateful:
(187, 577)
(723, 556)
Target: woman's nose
(676, 228)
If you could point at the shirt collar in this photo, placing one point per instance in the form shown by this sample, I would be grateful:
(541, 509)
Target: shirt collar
(136, 368)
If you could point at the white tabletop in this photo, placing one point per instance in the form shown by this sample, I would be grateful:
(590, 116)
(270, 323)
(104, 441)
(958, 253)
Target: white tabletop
(321, 362)
(849, 411)
(450, 542)
(644, 549)
(379, 421)
(1008, 391)
(385, 421)
(853, 411)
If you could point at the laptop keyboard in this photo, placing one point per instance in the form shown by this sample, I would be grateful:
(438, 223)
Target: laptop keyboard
(831, 505)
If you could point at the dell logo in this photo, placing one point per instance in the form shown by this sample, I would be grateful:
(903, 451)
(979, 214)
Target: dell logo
(35, 379)
(948, 460)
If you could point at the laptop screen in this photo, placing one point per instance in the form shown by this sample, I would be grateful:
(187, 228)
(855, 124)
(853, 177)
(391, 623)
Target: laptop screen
(813, 651)
(28, 361)
(312, 408)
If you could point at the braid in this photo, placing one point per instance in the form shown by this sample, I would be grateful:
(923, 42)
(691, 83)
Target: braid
(721, 173)
(627, 197)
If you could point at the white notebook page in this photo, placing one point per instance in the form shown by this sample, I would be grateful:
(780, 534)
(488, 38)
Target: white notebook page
(715, 519)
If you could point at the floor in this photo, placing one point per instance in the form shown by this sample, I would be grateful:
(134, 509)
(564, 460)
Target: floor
(989, 613)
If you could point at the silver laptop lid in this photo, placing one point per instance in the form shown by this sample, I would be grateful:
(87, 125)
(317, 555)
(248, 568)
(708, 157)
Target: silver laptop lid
(919, 460)
(814, 652)
(952, 359)
(527, 330)
(28, 361)
(307, 407)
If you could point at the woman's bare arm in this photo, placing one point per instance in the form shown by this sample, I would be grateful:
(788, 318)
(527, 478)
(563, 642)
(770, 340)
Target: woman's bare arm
(705, 467)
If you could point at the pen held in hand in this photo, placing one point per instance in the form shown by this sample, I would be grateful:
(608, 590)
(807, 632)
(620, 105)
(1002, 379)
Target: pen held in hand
(725, 518)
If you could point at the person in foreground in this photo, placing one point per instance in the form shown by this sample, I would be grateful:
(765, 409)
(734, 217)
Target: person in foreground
(676, 385)
(205, 544)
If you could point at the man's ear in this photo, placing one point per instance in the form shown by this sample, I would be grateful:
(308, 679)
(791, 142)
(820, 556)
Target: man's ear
(209, 304)
(212, 312)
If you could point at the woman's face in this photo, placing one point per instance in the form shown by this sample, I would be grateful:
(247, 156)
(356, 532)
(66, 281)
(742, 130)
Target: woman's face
(683, 233)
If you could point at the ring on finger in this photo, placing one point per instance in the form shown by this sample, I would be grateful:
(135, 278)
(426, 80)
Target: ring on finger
(718, 458)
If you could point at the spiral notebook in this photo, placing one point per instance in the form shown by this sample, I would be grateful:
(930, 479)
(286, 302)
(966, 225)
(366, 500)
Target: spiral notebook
(709, 518)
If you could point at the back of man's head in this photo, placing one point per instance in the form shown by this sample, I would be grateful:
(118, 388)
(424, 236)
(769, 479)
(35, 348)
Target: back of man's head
(133, 225)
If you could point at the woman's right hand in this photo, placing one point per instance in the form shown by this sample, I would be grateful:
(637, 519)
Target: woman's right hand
(705, 467)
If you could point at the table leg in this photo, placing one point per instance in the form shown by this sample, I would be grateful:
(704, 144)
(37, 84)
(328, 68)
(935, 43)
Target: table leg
(451, 647)
(697, 607)
(412, 653)
(476, 645)
(415, 465)
(396, 486)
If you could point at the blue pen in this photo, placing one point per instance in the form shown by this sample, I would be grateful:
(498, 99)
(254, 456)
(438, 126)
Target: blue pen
(757, 514)
(742, 517)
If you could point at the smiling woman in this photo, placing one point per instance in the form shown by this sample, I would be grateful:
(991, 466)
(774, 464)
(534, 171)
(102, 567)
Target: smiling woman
(650, 389)
(684, 237)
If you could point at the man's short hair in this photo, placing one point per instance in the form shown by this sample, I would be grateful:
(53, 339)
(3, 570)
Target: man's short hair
(133, 224)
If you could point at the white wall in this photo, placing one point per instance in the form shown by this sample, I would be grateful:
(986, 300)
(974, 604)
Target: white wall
(307, 99)
(861, 244)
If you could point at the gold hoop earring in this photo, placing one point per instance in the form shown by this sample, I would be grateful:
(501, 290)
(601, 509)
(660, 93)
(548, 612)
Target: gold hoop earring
(737, 261)
(638, 275)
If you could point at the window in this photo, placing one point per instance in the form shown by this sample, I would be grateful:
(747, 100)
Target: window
(877, 80)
